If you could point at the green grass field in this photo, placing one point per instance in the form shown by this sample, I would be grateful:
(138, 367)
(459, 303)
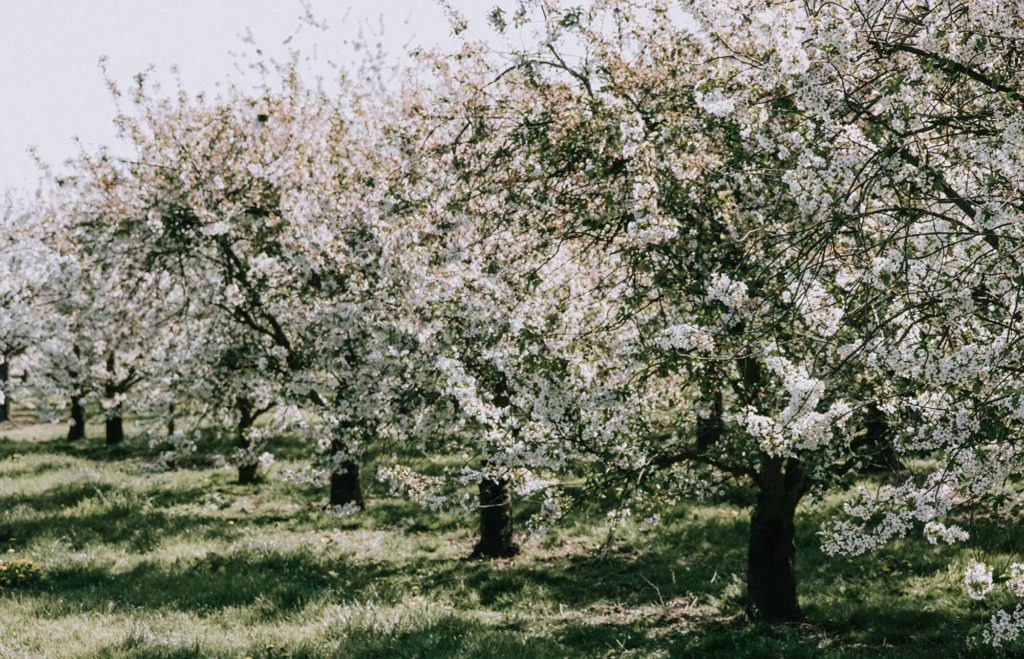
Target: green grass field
(188, 564)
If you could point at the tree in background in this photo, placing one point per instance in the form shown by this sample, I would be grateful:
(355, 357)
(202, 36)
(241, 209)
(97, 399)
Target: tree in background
(27, 264)
(263, 211)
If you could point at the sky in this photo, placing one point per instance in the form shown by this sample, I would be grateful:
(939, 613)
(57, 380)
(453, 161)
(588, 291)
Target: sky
(52, 89)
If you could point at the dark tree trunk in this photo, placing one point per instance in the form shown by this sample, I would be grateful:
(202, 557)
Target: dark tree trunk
(172, 463)
(771, 579)
(495, 521)
(709, 430)
(347, 487)
(246, 473)
(115, 427)
(77, 428)
(5, 375)
(750, 370)
(878, 438)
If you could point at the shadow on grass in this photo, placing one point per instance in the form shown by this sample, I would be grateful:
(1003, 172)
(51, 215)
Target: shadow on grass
(633, 599)
(92, 448)
(98, 514)
(277, 585)
(387, 634)
(694, 559)
(448, 636)
(285, 579)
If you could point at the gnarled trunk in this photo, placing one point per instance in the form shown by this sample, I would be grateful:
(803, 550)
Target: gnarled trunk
(347, 487)
(77, 428)
(771, 554)
(495, 521)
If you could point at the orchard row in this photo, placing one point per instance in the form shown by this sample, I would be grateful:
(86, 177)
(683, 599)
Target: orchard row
(663, 248)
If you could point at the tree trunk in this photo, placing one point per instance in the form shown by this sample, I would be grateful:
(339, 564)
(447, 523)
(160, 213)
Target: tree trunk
(495, 521)
(771, 579)
(246, 473)
(347, 487)
(878, 438)
(170, 419)
(115, 427)
(709, 430)
(5, 375)
(77, 428)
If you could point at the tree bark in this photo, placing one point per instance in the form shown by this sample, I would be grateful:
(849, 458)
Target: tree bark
(878, 437)
(709, 430)
(115, 427)
(495, 521)
(771, 554)
(347, 487)
(77, 428)
(5, 375)
(170, 419)
(246, 473)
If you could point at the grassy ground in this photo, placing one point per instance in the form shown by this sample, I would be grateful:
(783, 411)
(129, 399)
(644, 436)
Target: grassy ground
(188, 564)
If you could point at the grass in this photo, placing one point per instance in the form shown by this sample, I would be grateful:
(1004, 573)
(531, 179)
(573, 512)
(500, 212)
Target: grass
(189, 564)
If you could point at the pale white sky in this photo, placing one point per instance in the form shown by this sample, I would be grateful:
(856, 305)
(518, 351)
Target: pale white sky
(52, 90)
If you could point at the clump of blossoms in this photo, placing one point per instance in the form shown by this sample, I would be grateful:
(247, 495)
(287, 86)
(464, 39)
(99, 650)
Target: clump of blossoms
(978, 580)
(1005, 626)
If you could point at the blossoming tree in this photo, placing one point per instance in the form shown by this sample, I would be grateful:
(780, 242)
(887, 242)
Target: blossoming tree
(903, 122)
(24, 268)
(263, 210)
(613, 135)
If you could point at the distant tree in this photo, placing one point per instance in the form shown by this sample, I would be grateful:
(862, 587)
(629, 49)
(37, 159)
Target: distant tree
(26, 266)
(263, 211)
